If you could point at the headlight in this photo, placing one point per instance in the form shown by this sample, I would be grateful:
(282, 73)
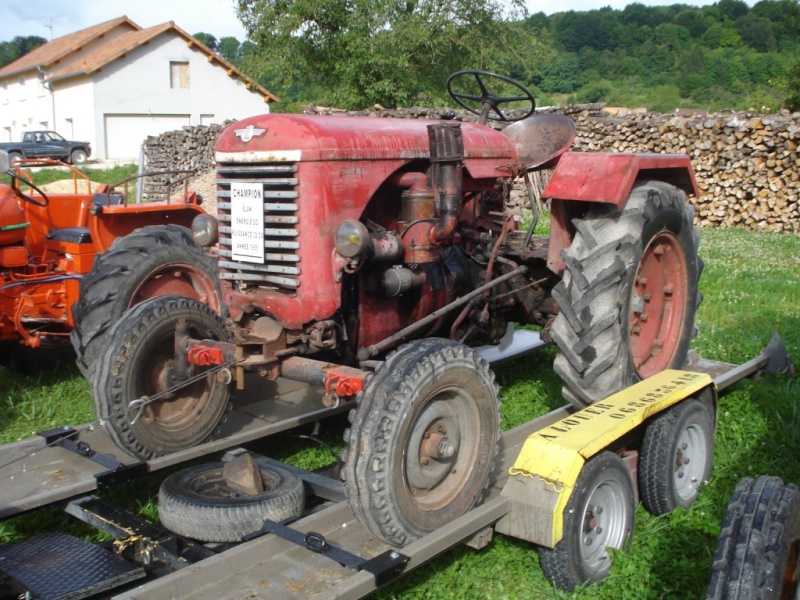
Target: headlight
(351, 238)
(204, 230)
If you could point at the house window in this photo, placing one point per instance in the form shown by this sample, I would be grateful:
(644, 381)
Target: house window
(179, 75)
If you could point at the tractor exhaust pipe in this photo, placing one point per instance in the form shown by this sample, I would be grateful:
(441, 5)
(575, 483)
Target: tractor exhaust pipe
(447, 151)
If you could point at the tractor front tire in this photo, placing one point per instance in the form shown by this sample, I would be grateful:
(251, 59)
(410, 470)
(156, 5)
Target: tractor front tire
(138, 362)
(156, 260)
(759, 545)
(421, 450)
(629, 293)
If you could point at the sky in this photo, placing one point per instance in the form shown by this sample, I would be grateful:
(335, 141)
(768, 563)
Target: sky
(54, 18)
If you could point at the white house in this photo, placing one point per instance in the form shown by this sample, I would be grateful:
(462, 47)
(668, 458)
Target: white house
(115, 83)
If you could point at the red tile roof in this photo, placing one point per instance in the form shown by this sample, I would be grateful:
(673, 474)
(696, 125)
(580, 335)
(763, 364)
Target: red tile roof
(53, 52)
(49, 56)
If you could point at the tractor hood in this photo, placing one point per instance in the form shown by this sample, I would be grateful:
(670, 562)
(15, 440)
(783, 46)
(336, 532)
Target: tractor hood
(306, 138)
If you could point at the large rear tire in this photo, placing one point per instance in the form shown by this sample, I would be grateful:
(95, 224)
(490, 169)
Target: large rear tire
(629, 293)
(423, 442)
(156, 260)
(759, 545)
(138, 362)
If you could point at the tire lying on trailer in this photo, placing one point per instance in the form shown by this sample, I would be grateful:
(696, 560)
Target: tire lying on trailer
(156, 260)
(759, 544)
(629, 293)
(138, 362)
(198, 503)
(421, 450)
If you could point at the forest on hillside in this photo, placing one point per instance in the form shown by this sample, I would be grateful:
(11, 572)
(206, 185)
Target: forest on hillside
(356, 53)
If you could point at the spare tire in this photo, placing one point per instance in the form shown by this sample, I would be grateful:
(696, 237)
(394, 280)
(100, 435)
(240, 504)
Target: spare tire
(197, 502)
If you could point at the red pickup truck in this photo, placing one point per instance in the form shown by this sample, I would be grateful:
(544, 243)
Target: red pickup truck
(47, 144)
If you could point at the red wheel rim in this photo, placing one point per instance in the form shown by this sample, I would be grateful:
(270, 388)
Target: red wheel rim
(180, 280)
(658, 305)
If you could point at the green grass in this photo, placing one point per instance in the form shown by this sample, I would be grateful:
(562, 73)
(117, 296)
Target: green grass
(108, 176)
(751, 287)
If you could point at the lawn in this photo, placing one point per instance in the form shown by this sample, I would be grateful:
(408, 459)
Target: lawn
(751, 287)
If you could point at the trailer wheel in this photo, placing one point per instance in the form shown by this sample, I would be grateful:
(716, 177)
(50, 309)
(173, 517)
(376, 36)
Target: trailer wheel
(156, 260)
(138, 361)
(423, 441)
(598, 516)
(675, 458)
(197, 503)
(629, 293)
(759, 545)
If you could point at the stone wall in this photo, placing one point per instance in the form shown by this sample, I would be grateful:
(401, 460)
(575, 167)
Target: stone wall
(747, 165)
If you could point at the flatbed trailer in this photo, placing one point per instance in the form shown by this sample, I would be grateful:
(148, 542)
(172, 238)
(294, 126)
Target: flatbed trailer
(327, 553)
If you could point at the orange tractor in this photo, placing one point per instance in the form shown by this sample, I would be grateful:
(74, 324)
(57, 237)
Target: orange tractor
(55, 246)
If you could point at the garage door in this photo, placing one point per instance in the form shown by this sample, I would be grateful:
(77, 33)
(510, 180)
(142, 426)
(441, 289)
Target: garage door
(125, 133)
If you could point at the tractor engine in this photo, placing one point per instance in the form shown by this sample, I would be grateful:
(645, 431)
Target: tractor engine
(337, 233)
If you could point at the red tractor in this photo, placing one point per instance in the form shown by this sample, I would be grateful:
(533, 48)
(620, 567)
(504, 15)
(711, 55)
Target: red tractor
(89, 243)
(371, 256)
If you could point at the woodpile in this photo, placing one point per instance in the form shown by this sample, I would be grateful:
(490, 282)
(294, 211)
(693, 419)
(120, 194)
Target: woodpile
(187, 149)
(747, 165)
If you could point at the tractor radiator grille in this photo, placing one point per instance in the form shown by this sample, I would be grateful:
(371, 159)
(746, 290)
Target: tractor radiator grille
(281, 269)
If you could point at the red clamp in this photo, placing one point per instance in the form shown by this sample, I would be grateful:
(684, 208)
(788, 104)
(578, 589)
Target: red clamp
(204, 356)
(343, 385)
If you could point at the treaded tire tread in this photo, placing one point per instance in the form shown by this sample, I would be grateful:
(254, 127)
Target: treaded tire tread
(108, 290)
(114, 377)
(594, 293)
(760, 527)
(185, 511)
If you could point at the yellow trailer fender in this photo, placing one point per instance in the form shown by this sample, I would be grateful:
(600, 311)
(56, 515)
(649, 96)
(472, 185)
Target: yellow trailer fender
(544, 474)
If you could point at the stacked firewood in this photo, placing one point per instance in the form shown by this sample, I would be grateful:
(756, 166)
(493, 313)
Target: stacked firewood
(747, 166)
(187, 149)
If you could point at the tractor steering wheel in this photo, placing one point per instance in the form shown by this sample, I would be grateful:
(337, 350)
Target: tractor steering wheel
(45, 200)
(488, 101)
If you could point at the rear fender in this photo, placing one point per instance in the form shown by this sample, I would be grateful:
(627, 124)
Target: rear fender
(110, 222)
(583, 178)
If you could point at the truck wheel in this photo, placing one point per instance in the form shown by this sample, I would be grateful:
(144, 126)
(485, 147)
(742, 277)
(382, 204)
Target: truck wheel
(598, 516)
(629, 293)
(138, 362)
(156, 260)
(758, 547)
(14, 158)
(78, 156)
(198, 503)
(675, 458)
(423, 441)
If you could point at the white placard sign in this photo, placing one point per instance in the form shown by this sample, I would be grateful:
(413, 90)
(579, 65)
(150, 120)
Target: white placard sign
(247, 222)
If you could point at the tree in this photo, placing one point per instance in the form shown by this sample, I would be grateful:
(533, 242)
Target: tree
(394, 53)
(19, 46)
(207, 39)
(230, 49)
(792, 87)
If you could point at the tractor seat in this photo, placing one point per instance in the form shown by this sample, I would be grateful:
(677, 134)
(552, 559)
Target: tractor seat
(106, 199)
(73, 235)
